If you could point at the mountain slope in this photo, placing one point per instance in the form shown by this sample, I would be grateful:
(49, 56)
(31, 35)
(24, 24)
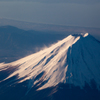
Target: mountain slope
(17, 43)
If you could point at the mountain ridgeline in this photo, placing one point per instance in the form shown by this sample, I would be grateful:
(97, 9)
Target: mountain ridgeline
(67, 70)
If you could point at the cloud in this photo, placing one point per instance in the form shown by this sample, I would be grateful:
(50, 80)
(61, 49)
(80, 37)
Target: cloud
(60, 1)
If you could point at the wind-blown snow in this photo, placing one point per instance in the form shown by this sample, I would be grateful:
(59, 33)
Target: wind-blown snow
(74, 60)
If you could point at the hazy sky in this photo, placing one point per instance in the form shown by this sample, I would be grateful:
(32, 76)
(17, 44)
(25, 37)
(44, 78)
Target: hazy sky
(63, 12)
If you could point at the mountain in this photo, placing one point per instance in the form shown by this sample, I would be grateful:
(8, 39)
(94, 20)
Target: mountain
(61, 29)
(68, 69)
(16, 43)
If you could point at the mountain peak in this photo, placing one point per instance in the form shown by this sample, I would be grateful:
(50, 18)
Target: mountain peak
(81, 34)
(67, 61)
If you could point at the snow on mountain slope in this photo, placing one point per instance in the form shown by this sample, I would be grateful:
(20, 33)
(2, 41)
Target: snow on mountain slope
(75, 60)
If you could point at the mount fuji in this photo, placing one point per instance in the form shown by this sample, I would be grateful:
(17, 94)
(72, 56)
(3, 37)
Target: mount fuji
(67, 70)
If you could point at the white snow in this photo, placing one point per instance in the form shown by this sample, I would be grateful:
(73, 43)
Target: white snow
(84, 34)
(71, 60)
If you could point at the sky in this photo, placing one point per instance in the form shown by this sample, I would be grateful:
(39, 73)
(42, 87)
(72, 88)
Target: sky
(59, 12)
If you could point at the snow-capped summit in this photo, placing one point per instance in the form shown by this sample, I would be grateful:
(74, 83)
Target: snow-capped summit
(74, 60)
(81, 34)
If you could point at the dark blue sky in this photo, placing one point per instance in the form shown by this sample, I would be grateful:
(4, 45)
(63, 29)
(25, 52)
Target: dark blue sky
(62, 12)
